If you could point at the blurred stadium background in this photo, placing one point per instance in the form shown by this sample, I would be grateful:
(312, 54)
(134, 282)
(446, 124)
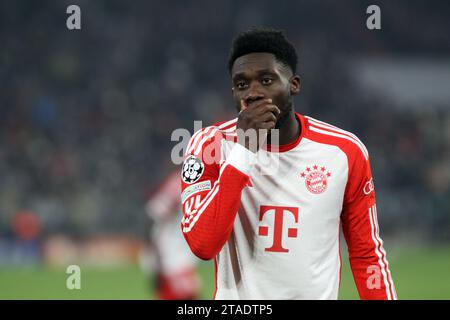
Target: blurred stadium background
(86, 118)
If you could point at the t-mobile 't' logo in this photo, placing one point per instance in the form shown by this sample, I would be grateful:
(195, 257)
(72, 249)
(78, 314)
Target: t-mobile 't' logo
(277, 245)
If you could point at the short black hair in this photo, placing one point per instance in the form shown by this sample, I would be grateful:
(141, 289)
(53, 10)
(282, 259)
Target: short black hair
(263, 40)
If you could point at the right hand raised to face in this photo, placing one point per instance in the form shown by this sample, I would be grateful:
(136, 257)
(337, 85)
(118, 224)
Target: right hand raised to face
(260, 114)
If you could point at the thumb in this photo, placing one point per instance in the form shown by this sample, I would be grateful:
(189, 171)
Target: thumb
(243, 106)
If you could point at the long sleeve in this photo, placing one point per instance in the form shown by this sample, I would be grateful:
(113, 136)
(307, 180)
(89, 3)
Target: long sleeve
(211, 192)
(367, 256)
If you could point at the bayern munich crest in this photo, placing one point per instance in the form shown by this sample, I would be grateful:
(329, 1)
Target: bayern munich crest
(316, 179)
(192, 169)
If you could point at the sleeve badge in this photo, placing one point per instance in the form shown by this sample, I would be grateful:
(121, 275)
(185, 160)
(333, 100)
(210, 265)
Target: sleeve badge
(192, 169)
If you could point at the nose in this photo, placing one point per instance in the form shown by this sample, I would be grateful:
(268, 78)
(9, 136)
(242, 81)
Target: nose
(253, 94)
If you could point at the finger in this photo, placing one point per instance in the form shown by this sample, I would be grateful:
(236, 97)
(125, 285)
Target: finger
(274, 109)
(256, 104)
(243, 105)
(268, 116)
(268, 108)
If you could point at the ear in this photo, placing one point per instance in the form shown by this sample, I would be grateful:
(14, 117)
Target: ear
(295, 84)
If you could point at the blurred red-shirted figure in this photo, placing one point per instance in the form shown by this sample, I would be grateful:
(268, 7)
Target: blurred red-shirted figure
(177, 277)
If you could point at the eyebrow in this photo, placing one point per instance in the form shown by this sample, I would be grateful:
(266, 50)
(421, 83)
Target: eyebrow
(259, 72)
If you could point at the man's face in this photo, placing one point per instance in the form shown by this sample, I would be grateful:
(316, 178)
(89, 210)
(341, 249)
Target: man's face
(258, 76)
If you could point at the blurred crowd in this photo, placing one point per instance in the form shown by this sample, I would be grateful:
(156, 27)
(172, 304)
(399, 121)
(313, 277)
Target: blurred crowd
(86, 116)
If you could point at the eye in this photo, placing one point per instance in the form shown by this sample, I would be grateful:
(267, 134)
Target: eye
(266, 81)
(241, 85)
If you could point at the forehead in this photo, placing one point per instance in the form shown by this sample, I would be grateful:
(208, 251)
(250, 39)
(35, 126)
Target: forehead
(254, 62)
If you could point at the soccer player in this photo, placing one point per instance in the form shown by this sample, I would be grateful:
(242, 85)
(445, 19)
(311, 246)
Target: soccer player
(270, 214)
(176, 275)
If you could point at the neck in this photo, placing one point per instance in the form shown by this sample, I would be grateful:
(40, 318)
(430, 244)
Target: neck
(290, 130)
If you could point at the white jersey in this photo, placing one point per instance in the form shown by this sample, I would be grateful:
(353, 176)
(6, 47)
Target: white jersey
(271, 220)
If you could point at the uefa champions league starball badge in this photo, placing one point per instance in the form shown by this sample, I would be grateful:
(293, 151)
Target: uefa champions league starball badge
(192, 169)
(316, 179)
